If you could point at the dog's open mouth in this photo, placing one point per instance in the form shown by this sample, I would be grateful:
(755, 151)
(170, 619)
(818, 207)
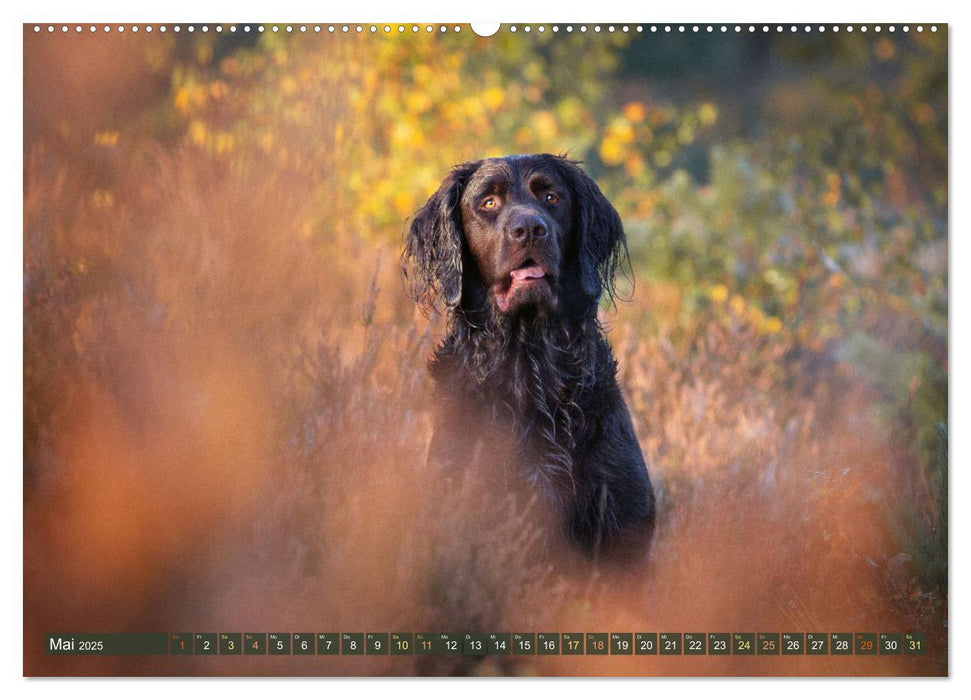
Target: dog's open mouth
(529, 275)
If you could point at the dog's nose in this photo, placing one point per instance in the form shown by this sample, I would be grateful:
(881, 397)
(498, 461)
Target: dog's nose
(524, 228)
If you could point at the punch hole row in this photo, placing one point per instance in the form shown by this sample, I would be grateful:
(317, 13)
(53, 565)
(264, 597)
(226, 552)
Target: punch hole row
(428, 28)
(248, 28)
(722, 28)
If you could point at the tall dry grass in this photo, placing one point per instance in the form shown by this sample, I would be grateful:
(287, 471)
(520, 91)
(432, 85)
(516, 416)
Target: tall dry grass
(226, 424)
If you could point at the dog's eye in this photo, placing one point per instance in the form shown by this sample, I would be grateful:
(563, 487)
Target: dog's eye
(552, 198)
(489, 203)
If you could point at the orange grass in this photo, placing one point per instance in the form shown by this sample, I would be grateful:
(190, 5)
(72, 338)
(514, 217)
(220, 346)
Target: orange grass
(225, 430)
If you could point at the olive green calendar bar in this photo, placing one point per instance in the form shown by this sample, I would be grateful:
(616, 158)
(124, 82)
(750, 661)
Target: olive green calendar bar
(605, 644)
(107, 644)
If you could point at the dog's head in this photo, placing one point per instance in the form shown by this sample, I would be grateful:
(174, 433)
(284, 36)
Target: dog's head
(515, 235)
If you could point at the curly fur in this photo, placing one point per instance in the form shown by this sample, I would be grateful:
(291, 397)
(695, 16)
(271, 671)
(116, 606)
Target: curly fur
(545, 377)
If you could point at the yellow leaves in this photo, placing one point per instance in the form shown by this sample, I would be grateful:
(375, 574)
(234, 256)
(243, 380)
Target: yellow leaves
(453, 60)
(182, 98)
(611, 151)
(764, 325)
(621, 130)
(451, 112)
(407, 134)
(404, 203)
(198, 133)
(422, 74)
(571, 113)
(192, 97)
(418, 102)
(737, 304)
(493, 97)
(544, 124)
(707, 114)
(106, 139)
(619, 135)
(772, 325)
(718, 293)
(626, 137)
(381, 112)
(220, 142)
(472, 107)
(379, 194)
(755, 316)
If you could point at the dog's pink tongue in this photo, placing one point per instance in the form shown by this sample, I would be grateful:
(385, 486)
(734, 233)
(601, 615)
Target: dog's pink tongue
(533, 272)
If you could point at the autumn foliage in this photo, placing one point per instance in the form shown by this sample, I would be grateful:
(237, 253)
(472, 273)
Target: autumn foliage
(225, 399)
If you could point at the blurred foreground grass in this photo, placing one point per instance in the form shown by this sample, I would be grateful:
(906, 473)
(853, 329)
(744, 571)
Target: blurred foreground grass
(225, 395)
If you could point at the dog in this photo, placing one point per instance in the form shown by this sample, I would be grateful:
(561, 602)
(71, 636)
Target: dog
(517, 252)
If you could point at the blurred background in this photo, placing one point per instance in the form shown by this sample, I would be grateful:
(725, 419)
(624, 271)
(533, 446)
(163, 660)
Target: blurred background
(225, 397)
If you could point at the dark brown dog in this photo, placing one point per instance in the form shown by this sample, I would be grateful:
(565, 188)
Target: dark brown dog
(518, 251)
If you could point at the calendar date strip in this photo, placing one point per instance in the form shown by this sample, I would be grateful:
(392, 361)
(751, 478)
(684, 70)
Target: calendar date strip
(488, 644)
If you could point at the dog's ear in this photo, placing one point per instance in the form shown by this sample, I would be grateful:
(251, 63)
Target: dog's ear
(601, 243)
(432, 258)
